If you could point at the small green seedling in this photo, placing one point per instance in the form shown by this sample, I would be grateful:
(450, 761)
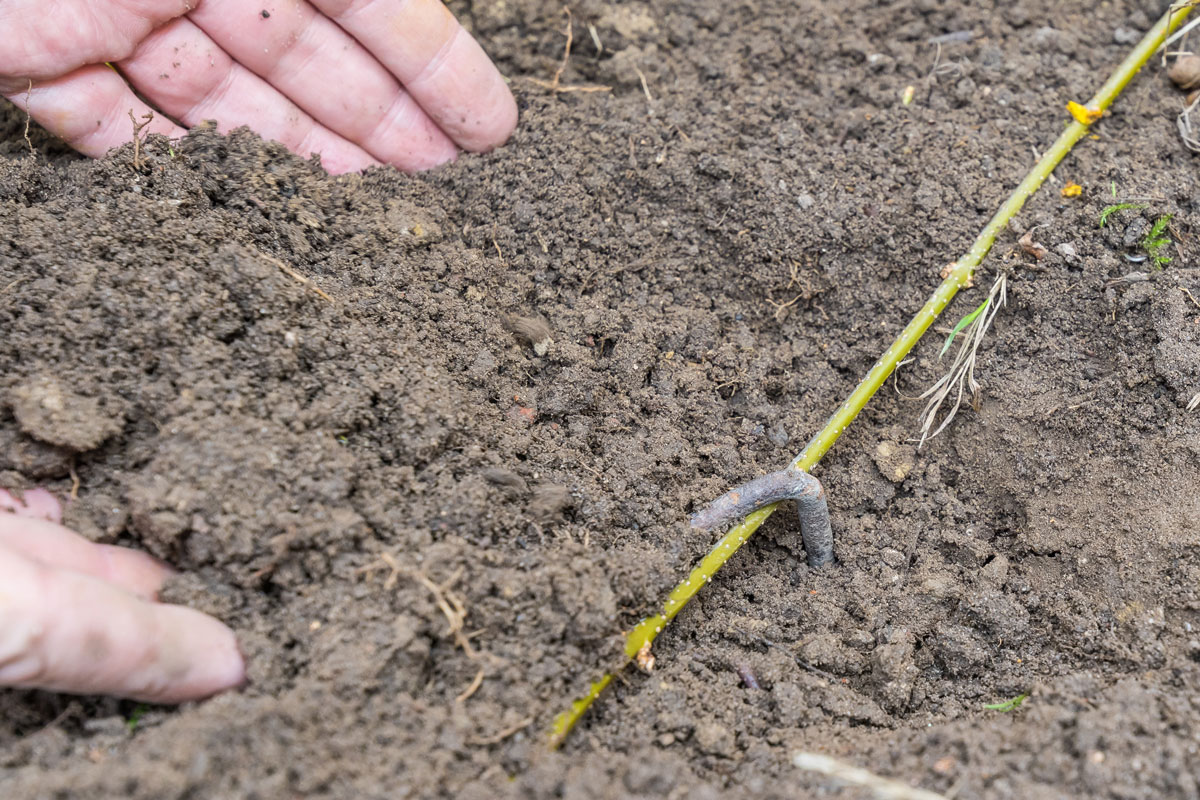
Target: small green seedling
(1108, 211)
(1012, 704)
(962, 323)
(1157, 241)
(135, 716)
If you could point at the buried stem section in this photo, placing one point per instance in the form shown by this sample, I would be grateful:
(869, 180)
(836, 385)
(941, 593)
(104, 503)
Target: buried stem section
(643, 634)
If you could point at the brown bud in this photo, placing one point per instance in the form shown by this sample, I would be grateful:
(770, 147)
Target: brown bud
(1185, 72)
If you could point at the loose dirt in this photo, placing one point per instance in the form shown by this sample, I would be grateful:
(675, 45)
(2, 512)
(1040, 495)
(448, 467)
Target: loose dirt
(430, 502)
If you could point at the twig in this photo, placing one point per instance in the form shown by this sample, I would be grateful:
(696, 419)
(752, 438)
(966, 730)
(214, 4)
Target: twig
(28, 117)
(1183, 289)
(451, 606)
(297, 276)
(496, 738)
(799, 661)
(12, 285)
(1186, 130)
(1179, 34)
(389, 560)
(555, 84)
(781, 308)
(846, 773)
(570, 34)
(645, 86)
(495, 244)
(474, 687)
(137, 136)
(74, 495)
(71, 709)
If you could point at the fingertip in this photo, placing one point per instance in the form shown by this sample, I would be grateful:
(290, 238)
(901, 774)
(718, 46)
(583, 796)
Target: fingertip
(482, 113)
(133, 570)
(494, 127)
(64, 631)
(222, 668)
(338, 158)
(199, 658)
(34, 503)
(437, 151)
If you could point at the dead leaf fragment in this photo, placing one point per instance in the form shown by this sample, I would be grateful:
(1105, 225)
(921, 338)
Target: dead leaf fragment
(1031, 247)
(534, 331)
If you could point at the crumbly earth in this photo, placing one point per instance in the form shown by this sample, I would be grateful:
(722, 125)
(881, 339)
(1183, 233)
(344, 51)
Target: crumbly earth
(717, 257)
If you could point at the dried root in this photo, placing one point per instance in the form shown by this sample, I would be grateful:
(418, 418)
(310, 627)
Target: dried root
(961, 376)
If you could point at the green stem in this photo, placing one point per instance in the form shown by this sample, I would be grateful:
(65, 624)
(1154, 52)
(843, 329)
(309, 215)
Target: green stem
(645, 631)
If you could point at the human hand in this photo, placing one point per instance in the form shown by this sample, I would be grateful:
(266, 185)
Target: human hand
(79, 617)
(358, 81)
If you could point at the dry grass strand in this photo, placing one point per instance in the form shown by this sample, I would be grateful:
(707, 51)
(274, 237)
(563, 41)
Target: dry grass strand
(849, 775)
(555, 84)
(297, 276)
(961, 376)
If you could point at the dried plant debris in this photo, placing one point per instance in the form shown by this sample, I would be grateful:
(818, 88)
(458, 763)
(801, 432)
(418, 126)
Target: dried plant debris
(533, 331)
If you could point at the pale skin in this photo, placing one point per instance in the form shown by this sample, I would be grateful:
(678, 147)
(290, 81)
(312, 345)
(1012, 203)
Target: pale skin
(358, 82)
(81, 617)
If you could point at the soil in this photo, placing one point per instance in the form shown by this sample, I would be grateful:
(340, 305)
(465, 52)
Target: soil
(716, 258)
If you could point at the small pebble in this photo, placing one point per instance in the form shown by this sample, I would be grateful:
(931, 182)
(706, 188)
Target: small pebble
(1185, 72)
(1125, 35)
(778, 435)
(747, 675)
(895, 461)
(1135, 231)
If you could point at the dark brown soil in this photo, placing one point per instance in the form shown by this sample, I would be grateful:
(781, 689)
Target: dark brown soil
(717, 266)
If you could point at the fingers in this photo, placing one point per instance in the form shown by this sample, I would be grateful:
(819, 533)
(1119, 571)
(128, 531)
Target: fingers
(63, 631)
(36, 503)
(185, 73)
(89, 110)
(53, 545)
(440, 65)
(41, 43)
(326, 72)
